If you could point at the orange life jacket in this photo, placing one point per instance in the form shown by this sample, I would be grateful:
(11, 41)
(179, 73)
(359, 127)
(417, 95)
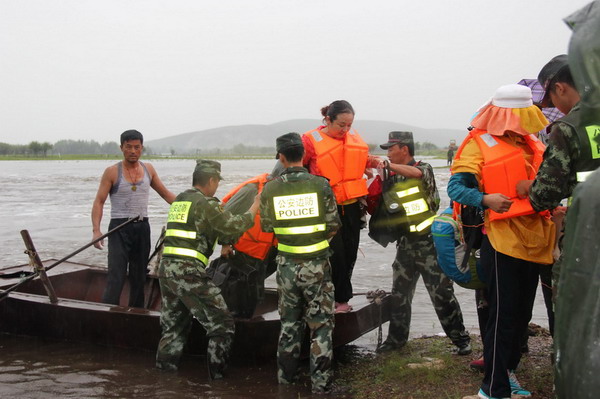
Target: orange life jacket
(342, 162)
(254, 242)
(504, 165)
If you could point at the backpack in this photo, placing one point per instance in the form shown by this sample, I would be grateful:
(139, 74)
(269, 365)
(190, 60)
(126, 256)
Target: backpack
(387, 222)
(237, 281)
(457, 245)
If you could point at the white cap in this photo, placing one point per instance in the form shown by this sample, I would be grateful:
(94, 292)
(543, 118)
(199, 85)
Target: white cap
(512, 96)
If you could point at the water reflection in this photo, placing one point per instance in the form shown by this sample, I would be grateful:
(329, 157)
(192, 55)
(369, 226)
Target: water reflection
(34, 368)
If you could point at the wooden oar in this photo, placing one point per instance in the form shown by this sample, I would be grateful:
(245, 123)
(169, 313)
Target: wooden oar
(34, 258)
(5, 293)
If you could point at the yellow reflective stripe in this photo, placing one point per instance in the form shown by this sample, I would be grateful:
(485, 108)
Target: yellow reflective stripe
(185, 252)
(303, 249)
(581, 176)
(423, 225)
(299, 230)
(415, 207)
(410, 191)
(180, 233)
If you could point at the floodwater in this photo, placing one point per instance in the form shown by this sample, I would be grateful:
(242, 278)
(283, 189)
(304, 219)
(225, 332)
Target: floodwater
(53, 199)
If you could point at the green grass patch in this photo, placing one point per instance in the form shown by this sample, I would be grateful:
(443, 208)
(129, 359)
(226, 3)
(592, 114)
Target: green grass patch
(443, 373)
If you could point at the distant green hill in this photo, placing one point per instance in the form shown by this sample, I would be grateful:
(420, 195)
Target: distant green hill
(373, 132)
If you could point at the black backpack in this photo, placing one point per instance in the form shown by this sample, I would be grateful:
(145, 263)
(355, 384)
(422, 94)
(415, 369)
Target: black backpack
(237, 281)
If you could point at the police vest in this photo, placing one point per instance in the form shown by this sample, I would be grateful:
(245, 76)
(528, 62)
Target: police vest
(503, 166)
(589, 155)
(298, 214)
(407, 198)
(342, 162)
(181, 235)
(254, 242)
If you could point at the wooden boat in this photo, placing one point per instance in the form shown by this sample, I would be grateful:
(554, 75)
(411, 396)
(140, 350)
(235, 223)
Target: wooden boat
(79, 315)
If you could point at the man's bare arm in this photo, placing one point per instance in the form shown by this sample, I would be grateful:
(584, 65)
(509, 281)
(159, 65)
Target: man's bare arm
(158, 185)
(106, 182)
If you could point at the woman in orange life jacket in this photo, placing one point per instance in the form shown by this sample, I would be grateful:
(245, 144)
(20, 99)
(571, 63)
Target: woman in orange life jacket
(254, 247)
(500, 150)
(336, 152)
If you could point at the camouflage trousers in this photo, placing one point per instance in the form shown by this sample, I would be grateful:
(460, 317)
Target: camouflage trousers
(187, 292)
(305, 298)
(414, 259)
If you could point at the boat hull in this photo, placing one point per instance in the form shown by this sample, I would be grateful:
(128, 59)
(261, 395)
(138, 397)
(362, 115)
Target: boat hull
(80, 317)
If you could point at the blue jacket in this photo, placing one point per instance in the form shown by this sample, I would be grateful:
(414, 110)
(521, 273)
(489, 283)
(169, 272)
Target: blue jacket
(463, 188)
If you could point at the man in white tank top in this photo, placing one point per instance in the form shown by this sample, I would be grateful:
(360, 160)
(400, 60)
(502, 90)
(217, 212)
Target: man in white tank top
(128, 183)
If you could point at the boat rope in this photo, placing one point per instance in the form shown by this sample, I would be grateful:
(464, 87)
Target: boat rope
(32, 255)
(376, 297)
(21, 274)
(371, 293)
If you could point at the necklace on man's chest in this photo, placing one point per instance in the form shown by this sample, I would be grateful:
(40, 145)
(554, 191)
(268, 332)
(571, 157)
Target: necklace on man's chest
(132, 178)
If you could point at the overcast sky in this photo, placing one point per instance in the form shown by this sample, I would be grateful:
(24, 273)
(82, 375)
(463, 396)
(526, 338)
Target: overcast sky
(90, 69)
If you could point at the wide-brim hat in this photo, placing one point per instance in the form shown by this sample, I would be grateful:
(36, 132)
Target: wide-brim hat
(511, 109)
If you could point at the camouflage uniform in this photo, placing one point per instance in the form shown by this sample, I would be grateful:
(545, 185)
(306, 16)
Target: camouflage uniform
(188, 292)
(416, 256)
(557, 176)
(305, 291)
(305, 296)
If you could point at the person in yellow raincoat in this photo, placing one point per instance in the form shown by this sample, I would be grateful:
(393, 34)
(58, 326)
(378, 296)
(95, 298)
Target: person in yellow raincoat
(500, 150)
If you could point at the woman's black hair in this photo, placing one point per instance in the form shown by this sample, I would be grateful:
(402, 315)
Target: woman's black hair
(335, 108)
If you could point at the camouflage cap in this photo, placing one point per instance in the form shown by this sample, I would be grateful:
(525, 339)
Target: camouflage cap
(549, 72)
(206, 166)
(398, 138)
(288, 140)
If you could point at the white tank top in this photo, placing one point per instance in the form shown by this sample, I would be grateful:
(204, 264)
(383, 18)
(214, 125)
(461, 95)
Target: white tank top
(127, 199)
